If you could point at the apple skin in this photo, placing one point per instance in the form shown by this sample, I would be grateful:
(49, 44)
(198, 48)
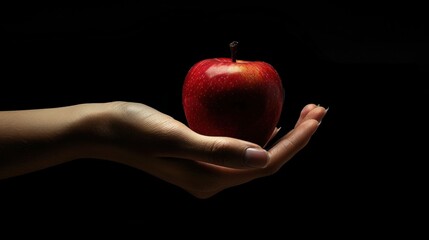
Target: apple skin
(240, 99)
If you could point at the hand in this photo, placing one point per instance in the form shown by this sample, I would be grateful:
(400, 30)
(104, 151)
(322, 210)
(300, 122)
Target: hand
(156, 143)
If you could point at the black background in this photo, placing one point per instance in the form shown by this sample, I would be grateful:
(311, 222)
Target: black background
(367, 63)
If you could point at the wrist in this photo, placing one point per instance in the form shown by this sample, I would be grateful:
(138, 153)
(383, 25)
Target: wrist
(92, 133)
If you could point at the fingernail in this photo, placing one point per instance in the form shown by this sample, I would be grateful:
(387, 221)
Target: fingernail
(326, 110)
(257, 158)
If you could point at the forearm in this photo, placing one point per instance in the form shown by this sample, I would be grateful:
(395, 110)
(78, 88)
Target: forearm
(32, 140)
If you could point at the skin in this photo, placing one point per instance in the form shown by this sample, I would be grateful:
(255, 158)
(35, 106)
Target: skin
(142, 137)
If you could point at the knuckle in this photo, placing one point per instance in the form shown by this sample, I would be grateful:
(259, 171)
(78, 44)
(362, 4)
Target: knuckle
(217, 155)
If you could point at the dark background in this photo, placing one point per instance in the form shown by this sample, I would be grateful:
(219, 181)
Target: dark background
(367, 63)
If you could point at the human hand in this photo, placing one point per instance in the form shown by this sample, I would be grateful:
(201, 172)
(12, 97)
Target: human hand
(142, 137)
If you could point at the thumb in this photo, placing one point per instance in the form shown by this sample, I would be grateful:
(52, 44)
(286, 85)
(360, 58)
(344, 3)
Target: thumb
(227, 152)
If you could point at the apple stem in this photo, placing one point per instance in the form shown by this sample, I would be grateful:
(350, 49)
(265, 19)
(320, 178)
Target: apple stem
(233, 47)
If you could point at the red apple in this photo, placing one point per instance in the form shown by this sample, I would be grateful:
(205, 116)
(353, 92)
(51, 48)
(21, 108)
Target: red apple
(233, 98)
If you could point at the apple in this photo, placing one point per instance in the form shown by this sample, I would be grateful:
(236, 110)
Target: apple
(233, 98)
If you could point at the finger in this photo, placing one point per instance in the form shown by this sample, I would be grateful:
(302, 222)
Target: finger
(223, 151)
(275, 131)
(287, 147)
(317, 114)
(311, 111)
(234, 153)
(302, 117)
(292, 143)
